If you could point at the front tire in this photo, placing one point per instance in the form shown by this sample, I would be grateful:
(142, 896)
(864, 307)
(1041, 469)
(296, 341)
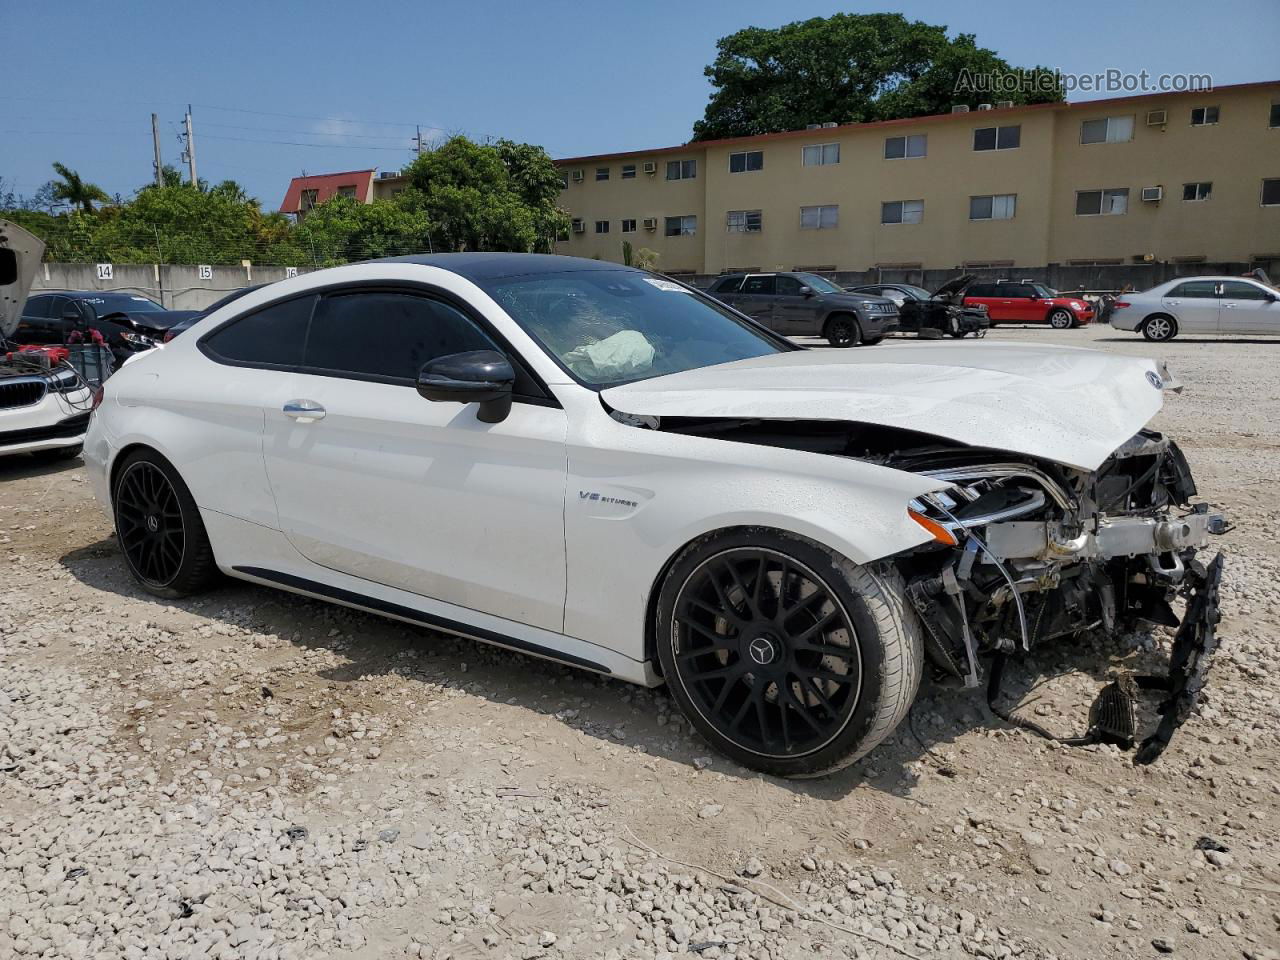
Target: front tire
(1159, 328)
(159, 528)
(785, 656)
(843, 331)
(1061, 319)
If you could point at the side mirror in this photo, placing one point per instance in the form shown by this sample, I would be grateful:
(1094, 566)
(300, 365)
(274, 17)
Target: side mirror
(806, 292)
(477, 376)
(78, 313)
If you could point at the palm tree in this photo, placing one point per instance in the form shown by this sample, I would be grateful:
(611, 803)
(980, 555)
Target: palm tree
(75, 191)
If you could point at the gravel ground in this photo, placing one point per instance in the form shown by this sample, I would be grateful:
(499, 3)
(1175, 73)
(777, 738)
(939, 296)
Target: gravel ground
(250, 774)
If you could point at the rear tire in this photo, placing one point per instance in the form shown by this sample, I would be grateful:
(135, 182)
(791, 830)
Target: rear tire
(1061, 319)
(159, 528)
(1159, 328)
(843, 331)
(785, 656)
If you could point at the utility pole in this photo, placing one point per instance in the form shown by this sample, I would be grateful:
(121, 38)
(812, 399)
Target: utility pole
(191, 148)
(417, 141)
(155, 143)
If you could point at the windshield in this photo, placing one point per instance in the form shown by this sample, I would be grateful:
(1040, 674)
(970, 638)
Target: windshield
(607, 327)
(817, 284)
(1043, 291)
(108, 303)
(920, 293)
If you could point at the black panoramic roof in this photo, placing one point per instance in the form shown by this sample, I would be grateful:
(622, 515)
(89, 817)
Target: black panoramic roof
(490, 266)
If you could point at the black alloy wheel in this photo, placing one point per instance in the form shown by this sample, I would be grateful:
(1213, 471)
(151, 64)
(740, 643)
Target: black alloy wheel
(149, 519)
(766, 652)
(159, 527)
(842, 331)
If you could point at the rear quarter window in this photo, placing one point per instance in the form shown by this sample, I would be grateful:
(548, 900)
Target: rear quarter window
(271, 337)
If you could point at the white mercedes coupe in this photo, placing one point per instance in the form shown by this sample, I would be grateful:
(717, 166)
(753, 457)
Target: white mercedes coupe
(606, 468)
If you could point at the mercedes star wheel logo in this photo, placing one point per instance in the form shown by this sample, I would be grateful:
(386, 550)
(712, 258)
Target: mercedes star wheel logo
(761, 651)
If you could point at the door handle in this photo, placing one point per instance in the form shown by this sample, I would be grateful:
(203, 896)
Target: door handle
(304, 411)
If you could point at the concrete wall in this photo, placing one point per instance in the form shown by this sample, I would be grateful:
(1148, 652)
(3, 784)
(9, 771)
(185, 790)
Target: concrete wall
(174, 286)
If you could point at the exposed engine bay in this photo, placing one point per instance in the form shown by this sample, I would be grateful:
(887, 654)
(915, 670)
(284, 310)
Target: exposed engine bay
(1028, 553)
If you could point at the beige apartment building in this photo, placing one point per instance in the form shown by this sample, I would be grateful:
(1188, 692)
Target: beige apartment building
(1180, 177)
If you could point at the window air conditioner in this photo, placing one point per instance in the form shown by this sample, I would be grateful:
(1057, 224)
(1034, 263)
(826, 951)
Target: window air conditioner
(577, 176)
(650, 167)
(1157, 118)
(651, 223)
(1152, 194)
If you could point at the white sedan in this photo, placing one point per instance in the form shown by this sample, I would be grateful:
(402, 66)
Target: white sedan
(1217, 305)
(608, 469)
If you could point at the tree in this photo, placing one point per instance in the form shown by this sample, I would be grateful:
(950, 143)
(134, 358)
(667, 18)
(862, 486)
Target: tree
(342, 230)
(77, 192)
(854, 68)
(498, 196)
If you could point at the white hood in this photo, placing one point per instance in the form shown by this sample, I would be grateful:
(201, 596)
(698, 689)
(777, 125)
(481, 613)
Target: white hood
(1063, 404)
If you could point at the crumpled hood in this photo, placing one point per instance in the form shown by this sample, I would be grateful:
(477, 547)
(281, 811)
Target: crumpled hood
(1068, 405)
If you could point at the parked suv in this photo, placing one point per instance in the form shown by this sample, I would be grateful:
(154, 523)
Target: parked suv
(1011, 301)
(806, 305)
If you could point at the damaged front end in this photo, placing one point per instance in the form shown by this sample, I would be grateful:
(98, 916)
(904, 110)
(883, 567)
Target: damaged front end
(1027, 553)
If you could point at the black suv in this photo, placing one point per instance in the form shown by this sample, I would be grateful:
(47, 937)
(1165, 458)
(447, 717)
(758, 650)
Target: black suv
(806, 305)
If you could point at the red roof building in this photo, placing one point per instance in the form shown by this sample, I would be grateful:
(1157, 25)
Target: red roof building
(305, 192)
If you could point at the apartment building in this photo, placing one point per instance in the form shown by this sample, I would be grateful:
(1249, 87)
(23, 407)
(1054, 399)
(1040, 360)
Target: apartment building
(363, 186)
(1179, 177)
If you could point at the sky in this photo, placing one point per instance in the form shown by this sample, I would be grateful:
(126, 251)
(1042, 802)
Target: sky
(280, 88)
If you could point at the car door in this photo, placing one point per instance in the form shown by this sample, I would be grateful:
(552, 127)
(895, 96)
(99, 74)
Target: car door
(1020, 303)
(372, 480)
(756, 298)
(1247, 308)
(795, 314)
(1194, 305)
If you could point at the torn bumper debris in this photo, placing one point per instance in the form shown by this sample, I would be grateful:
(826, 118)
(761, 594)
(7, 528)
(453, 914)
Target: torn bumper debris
(1044, 555)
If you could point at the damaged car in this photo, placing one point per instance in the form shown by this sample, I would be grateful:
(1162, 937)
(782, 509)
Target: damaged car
(45, 399)
(608, 469)
(932, 315)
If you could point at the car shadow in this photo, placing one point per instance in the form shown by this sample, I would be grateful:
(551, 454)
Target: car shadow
(1181, 338)
(932, 742)
(21, 466)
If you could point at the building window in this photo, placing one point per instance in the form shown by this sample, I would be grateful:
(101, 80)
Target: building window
(681, 226)
(577, 225)
(628, 226)
(682, 169)
(744, 221)
(1092, 203)
(997, 138)
(1001, 206)
(902, 211)
(628, 171)
(746, 161)
(602, 226)
(1271, 193)
(1196, 191)
(564, 181)
(308, 199)
(821, 154)
(1274, 122)
(826, 217)
(348, 191)
(602, 173)
(1107, 130)
(1203, 116)
(916, 145)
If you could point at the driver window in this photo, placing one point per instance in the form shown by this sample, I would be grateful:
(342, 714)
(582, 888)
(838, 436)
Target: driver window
(788, 287)
(1239, 290)
(386, 335)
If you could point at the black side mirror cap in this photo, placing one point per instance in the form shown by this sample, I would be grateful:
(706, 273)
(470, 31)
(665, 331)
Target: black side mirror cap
(485, 377)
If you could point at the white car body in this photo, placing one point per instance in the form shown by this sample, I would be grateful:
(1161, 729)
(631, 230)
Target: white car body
(567, 516)
(1218, 305)
(548, 523)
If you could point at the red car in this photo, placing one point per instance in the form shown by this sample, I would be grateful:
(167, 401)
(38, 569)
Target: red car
(1010, 301)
